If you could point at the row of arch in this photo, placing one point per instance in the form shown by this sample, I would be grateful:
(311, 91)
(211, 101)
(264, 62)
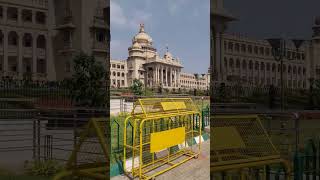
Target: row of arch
(26, 15)
(27, 39)
(117, 74)
(256, 65)
(259, 50)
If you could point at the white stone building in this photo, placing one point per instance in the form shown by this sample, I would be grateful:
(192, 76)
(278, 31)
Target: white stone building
(145, 64)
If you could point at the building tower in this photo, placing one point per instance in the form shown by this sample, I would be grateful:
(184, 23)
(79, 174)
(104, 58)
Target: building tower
(81, 27)
(139, 53)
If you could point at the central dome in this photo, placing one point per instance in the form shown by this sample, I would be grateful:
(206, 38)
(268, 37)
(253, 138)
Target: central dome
(142, 36)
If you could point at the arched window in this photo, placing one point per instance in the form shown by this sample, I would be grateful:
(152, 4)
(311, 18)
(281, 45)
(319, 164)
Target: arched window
(294, 69)
(27, 40)
(13, 38)
(122, 74)
(41, 42)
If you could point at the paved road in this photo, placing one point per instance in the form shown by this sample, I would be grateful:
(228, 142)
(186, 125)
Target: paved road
(195, 169)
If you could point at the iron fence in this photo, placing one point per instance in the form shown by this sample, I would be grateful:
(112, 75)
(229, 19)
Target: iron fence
(269, 96)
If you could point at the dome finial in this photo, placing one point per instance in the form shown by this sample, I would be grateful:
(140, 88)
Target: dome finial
(167, 47)
(141, 27)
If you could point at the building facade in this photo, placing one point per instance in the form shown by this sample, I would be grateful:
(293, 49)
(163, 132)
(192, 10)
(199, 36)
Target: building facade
(236, 59)
(154, 71)
(39, 38)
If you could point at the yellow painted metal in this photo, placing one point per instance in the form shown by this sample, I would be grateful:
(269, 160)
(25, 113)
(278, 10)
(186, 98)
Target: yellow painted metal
(173, 105)
(226, 138)
(166, 139)
(240, 141)
(159, 124)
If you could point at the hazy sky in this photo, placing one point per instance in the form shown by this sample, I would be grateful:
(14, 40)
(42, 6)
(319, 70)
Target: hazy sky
(273, 18)
(182, 24)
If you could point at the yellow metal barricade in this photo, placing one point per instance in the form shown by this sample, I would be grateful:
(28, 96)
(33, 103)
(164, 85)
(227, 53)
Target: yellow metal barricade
(160, 134)
(241, 142)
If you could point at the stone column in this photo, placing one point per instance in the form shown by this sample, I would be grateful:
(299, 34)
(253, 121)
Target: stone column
(161, 73)
(20, 52)
(166, 76)
(34, 54)
(5, 51)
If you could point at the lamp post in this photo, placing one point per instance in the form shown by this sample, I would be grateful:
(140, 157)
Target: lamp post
(279, 50)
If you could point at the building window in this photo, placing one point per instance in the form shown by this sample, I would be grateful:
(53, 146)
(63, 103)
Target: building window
(122, 66)
(114, 73)
(1, 12)
(41, 66)
(289, 69)
(249, 48)
(100, 36)
(268, 66)
(244, 65)
(13, 63)
(261, 51)
(122, 82)
(113, 65)
(40, 18)
(267, 51)
(122, 74)
(13, 38)
(118, 66)
(237, 47)
(41, 42)
(27, 40)
(273, 67)
(256, 49)
(230, 46)
(12, 13)
(26, 15)
(256, 66)
(118, 74)
(238, 63)
(262, 66)
(243, 48)
(250, 65)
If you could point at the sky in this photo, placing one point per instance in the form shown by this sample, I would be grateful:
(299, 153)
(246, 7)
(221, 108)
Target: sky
(273, 18)
(182, 25)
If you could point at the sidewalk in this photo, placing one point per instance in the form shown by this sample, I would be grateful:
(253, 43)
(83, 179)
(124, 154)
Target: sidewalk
(195, 169)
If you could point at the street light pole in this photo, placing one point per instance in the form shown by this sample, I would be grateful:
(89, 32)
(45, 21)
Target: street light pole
(279, 52)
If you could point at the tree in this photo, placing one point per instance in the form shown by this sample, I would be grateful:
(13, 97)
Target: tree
(87, 85)
(137, 87)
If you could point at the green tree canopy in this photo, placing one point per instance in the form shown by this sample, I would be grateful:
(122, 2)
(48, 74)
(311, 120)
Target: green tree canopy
(137, 87)
(87, 85)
